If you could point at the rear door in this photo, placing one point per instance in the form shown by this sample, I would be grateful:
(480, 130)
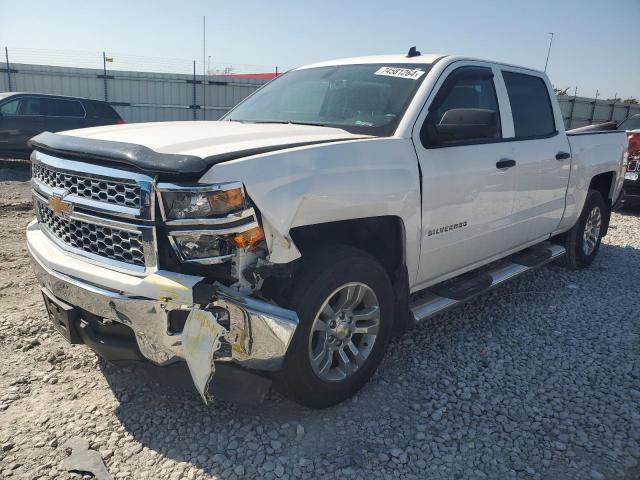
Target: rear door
(541, 150)
(467, 181)
(63, 114)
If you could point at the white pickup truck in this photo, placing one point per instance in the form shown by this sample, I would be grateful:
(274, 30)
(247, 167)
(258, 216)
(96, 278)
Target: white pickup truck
(334, 207)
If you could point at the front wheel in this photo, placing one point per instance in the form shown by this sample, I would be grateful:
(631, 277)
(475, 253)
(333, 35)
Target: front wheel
(583, 240)
(344, 301)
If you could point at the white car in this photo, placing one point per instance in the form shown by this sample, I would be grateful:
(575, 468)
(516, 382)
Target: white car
(336, 206)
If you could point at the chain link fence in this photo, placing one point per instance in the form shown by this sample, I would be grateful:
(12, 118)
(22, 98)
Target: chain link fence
(145, 96)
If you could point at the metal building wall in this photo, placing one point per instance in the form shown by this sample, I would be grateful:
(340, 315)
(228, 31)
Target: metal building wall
(138, 96)
(581, 111)
(149, 97)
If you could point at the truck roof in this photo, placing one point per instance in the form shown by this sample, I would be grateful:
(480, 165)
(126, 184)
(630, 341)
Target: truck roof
(423, 59)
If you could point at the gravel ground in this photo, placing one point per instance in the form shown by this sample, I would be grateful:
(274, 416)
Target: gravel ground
(538, 379)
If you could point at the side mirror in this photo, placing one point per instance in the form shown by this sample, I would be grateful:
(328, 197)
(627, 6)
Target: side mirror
(466, 124)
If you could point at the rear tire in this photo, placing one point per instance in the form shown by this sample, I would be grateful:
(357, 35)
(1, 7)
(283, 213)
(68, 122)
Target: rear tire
(339, 342)
(583, 240)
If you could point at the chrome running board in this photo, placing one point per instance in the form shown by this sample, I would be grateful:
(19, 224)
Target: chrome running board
(434, 300)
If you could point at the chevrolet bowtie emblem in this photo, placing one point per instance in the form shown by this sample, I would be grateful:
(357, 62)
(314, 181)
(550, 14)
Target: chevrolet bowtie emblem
(59, 206)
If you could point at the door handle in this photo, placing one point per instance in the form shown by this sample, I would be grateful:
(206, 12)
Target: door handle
(562, 155)
(505, 163)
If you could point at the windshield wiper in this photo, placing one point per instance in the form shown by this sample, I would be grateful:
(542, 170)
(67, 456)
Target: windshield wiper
(286, 122)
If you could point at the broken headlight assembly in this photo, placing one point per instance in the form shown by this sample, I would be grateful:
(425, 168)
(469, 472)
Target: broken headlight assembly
(213, 246)
(209, 224)
(200, 246)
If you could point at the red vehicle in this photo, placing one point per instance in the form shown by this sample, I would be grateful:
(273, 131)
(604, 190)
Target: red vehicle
(631, 189)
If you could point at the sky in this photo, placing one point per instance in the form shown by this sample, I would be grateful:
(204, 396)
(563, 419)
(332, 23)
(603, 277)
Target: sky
(593, 46)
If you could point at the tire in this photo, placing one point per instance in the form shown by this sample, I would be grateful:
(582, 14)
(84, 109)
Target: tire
(327, 276)
(578, 255)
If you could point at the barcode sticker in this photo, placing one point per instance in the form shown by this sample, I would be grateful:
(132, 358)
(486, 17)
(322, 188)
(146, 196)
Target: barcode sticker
(411, 73)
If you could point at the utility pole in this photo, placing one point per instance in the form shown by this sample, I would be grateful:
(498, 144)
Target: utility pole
(194, 90)
(573, 107)
(204, 66)
(593, 107)
(548, 51)
(613, 106)
(104, 75)
(6, 55)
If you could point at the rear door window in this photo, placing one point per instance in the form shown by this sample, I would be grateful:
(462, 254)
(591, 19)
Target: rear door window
(103, 110)
(530, 105)
(30, 106)
(56, 107)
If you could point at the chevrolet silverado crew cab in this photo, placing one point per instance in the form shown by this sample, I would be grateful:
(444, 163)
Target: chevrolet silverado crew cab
(336, 206)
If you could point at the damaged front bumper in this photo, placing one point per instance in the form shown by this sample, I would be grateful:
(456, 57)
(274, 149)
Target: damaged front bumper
(256, 334)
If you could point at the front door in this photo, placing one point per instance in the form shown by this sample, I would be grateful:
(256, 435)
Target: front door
(468, 177)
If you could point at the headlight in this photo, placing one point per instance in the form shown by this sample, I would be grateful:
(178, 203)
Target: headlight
(209, 246)
(198, 246)
(209, 224)
(201, 201)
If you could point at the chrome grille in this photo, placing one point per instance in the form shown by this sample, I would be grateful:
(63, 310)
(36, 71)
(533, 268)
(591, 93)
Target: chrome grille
(100, 190)
(107, 242)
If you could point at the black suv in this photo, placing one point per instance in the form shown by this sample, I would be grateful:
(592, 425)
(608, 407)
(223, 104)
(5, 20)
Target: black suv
(24, 115)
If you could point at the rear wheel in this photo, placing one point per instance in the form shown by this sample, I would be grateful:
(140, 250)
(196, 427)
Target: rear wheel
(344, 301)
(583, 240)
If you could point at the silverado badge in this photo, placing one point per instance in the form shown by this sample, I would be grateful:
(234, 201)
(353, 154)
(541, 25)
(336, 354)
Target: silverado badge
(59, 206)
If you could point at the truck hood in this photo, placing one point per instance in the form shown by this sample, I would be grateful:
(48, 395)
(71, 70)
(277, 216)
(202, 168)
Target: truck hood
(182, 148)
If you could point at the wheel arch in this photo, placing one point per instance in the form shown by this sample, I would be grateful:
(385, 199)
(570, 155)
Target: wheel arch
(605, 184)
(382, 237)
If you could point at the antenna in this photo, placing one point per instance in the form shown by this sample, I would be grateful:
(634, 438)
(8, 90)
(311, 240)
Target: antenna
(548, 51)
(413, 52)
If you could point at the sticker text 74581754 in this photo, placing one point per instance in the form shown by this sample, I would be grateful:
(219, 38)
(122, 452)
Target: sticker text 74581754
(411, 73)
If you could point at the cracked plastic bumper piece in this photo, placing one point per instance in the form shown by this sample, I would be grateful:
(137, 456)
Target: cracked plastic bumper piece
(258, 333)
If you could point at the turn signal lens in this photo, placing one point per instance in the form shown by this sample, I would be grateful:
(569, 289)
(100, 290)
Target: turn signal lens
(225, 201)
(249, 238)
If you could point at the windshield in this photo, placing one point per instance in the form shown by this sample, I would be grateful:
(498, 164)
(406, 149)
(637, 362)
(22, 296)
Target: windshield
(631, 123)
(367, 99)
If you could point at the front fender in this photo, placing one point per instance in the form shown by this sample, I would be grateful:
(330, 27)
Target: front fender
(330, 182)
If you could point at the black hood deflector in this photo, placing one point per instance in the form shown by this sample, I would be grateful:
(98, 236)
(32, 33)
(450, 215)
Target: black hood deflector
(143, 159)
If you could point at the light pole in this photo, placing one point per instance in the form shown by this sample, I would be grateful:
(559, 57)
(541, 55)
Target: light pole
(548, 52)
(204, 74)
